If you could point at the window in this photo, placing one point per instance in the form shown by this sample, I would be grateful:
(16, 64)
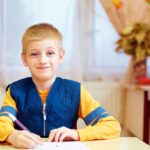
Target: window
(105, 61)
(89, 37)
(16, 16)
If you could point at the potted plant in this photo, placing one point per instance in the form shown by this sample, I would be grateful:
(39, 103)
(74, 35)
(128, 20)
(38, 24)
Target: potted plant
(135, 41)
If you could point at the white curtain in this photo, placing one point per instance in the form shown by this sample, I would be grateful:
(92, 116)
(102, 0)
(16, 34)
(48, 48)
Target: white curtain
(81, 41)
(73, 18)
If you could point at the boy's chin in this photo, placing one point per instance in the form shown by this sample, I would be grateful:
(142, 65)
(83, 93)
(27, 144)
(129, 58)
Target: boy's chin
(44, 78)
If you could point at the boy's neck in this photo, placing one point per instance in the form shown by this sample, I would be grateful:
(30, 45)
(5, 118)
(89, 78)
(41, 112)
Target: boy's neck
(44, 85)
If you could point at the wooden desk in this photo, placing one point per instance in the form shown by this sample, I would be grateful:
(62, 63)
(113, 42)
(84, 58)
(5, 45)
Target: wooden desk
(123, 143)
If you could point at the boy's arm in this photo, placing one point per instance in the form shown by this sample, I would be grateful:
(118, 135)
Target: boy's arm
(6, 124)
(100, 124)
(18, 138)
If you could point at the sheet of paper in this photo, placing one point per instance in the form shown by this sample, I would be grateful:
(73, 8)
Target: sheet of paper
(62, 146)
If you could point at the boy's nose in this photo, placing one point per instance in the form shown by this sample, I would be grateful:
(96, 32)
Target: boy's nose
(43, 59)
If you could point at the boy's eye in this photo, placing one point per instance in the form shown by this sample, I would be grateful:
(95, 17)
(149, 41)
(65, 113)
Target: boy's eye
(51, 53)
(34, 54)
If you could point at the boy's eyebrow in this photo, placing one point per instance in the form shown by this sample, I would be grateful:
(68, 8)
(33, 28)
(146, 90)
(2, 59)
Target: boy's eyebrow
(50, 47)
(33, 49)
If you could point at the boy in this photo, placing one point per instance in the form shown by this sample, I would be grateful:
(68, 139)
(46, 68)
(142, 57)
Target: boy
(47, 105)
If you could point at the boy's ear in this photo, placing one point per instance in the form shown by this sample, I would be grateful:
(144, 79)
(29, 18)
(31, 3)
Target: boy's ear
(23, 57)
(61, 55)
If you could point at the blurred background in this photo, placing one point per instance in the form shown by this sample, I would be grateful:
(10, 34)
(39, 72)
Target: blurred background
(90, 29)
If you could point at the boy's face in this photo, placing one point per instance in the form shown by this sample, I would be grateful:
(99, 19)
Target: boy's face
(42, 58)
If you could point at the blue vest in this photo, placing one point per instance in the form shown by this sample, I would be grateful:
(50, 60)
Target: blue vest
(62, 105)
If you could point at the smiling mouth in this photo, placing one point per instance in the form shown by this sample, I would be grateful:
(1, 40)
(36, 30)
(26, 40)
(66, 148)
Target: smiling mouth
(42, 68)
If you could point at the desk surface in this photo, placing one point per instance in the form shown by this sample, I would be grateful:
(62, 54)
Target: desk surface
(123, 143)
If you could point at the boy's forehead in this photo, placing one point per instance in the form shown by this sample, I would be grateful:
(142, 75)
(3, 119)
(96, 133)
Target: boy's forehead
(40, 39)
(48, 42)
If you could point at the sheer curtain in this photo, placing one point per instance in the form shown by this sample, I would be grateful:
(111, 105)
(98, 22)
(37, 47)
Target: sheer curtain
(72, 18)
(128, 13)
(81, 40)
(104, 63)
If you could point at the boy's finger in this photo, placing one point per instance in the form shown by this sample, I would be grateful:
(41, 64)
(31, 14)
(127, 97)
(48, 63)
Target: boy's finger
(59, 132)
(66, 135)
(57, 135)
(33, 138)
(37, 136)
(24, 142)
(52, 135)
(27, 143)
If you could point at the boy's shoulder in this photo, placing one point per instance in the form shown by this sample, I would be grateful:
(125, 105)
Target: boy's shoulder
(71, 87)
(68, 81)
(22, 81)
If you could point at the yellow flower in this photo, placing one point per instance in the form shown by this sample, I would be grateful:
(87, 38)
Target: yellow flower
(134, 40)
(117, 3)
(148, 1)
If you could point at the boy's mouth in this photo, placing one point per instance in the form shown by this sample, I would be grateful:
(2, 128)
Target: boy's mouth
(43, 68)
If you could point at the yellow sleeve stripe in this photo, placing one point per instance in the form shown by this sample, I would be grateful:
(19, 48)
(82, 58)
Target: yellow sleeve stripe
(8, 109)
(94, 114)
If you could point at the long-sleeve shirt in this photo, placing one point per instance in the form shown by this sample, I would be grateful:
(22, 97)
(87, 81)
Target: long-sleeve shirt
(105, 128)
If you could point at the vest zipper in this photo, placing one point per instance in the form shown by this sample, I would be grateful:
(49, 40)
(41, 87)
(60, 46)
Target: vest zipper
(44, 119)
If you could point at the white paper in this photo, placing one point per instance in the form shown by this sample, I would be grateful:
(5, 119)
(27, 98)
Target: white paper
(62, 146)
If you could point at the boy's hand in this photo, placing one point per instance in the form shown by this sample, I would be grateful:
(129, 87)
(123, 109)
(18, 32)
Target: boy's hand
(63, 134)
(24, 139)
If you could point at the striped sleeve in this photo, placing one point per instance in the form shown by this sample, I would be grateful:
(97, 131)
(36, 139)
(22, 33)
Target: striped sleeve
(100, 124)
(6, 124)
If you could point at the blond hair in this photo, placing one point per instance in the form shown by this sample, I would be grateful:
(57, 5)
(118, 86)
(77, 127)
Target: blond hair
(39, 32)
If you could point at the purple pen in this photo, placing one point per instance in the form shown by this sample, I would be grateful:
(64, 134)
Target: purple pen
(15, 120)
